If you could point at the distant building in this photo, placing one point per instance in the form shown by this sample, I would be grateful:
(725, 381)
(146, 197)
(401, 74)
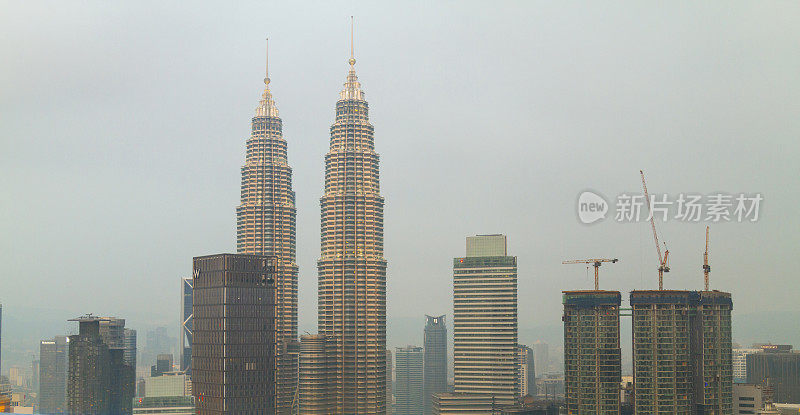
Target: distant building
(129, 343)
(435, 360)
(163, 365)
(778, 365)
(408, 387)
(527, 374)
(168, 384)
(740, 364)
(747, 399)
(485, 320)
(314, 394)
(100, 382)
(169, 393)
(592, 359)
(233, 349)
(186, 325)
(53, 362)
(541, 357)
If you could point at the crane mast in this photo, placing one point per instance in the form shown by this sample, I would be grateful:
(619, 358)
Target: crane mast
(706, 267)
(662, 260)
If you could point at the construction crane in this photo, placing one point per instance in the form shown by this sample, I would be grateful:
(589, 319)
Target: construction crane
(662, 260)
(596, 263)
(706, 267)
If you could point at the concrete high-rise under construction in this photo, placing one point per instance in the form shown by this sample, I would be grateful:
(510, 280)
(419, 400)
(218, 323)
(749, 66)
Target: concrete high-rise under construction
(682, 352)
(266, 221)
(592, 358)
(352, 268)
(485, 320)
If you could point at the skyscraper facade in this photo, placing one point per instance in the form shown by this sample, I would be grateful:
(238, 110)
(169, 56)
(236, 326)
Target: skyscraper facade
(314, 392)
(186, 324)
(53, 360)
(99, 381)
(485, 319)
(266, 222)
(740, 364)
(712, 354)
(352, 268)
(662, 363)
(527, 372)
(778, 368)
(408, 388)
(435, 349)
(592, 356)
(233, 352)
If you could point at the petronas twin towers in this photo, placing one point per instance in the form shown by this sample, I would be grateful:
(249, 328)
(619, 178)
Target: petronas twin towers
(351, 271)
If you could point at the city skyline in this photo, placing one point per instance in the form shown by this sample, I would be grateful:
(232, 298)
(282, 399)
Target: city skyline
(636, 271)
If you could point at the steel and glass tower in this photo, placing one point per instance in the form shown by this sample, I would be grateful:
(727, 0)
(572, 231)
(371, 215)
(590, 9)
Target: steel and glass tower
(266, 220)
(435, 345)
(409, 381)
(352, 269)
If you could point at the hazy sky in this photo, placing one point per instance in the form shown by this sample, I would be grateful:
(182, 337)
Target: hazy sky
(123, 128)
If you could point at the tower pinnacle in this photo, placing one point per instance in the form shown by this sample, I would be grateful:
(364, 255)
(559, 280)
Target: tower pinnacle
(266, 107)
(266, 80)
(352, 54)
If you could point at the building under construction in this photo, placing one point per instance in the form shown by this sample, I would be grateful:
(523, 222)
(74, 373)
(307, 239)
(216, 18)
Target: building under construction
(682, 352)
(592, 371)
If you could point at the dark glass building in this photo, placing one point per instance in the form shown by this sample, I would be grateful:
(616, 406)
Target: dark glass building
(53, 359)
(186, 325)
(778, 366)
(99, 380)
(233, 348)
(435, 359)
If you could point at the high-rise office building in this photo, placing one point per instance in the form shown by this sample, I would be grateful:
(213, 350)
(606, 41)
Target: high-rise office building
(186, 325)
(352, 268)
(779, 367)
(266, 222)
(592, 359)
(485, 319)
(53, 360)
(314, 393)
(740, 364)
(129, 343)
(389, 383)
(435, 349)
(408, 388)
(99, 381)
(747, 399)
(233, 349)
(682, 353)
(163, 365)
(527, 372)
(541, 357)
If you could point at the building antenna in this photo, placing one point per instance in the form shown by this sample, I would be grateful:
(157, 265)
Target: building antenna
(266, 80)
(352, 53)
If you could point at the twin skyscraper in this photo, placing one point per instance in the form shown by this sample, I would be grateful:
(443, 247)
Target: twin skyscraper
(350, 374)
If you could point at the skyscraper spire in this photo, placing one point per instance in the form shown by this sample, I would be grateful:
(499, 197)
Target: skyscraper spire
(266, 107)
(352, 53)
(266, 80)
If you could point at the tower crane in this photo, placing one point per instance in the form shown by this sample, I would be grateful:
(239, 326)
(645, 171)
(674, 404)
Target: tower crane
(596, 262)
(706, 267)
(663, 265)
